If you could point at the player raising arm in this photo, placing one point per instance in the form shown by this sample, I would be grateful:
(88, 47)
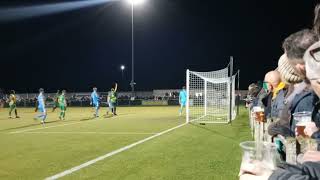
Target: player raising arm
(112, 100)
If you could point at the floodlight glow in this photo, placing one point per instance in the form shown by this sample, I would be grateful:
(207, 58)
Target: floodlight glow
(136, 2)
(122, 67)
(25, 12)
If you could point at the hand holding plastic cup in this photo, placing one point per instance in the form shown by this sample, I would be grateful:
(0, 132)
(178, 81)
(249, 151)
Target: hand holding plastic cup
(310, 129)
(258, 158)
(302, 119)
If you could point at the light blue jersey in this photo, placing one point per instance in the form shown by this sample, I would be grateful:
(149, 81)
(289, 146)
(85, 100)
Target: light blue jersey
(41, 104)
(95, 98)
(183, 97)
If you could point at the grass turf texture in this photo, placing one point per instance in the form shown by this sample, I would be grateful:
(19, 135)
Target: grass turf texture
(29, 151)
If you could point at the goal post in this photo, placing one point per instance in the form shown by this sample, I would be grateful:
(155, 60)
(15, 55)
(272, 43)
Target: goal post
(210, 96)
(188, 94)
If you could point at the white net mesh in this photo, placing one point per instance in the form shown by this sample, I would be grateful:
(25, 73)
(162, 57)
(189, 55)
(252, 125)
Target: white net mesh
(209, 96)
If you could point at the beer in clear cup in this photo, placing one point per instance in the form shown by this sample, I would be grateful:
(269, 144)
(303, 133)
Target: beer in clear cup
(302, 119)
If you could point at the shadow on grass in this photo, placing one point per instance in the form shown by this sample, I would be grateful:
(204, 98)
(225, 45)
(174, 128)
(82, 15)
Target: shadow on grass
(48, 122)
(30, 125)
(86, 119)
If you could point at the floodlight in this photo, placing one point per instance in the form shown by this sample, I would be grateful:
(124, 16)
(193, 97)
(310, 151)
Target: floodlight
(136, 2)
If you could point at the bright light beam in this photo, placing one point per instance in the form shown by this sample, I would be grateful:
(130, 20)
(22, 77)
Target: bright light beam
(19, 13)
(136, 2)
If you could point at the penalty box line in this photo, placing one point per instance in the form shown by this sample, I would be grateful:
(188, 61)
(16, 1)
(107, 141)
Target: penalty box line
(100, 158)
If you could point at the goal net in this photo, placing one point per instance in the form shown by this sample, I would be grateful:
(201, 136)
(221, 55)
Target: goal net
(209, 99)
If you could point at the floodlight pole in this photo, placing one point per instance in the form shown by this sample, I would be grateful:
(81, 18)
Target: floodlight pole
(132, 50)
(122, 74)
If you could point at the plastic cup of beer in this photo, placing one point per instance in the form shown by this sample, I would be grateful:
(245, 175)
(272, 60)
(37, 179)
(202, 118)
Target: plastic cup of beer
(259, 114)
(301, 119)
(263, 152)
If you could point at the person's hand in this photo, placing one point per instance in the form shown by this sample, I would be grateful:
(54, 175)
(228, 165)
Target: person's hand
(312, 156)
(254, 177)
(310, 129)
(254, 171)
(256, 168)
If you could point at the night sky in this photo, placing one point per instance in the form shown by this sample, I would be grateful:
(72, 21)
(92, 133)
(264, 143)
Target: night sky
(83, 48)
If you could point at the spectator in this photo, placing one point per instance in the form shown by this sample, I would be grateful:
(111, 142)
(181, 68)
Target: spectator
(316, 22)
(287, 72)
(253, 91)
(257, 100)
(301, 97)
(275, 99)
(296, 45)
(306, 171)
(312, 57)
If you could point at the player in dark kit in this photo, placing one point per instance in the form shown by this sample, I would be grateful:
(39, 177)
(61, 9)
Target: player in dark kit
(2, 101)
(56, 101)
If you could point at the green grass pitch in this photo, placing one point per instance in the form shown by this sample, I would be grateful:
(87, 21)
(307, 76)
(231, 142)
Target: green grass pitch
(196, 152)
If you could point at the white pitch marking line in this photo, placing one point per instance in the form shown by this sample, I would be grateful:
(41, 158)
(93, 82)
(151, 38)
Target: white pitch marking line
(86, 164)
(46, 127)
(108, 133)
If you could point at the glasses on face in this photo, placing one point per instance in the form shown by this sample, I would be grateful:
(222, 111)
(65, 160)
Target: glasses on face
(313, 51)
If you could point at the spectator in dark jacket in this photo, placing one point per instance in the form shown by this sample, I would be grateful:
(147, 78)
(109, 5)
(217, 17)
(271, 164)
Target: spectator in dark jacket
(274, 101)
(294, 46)
(312, 59)
(307, 171)
(301, 102)
(301, 98)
